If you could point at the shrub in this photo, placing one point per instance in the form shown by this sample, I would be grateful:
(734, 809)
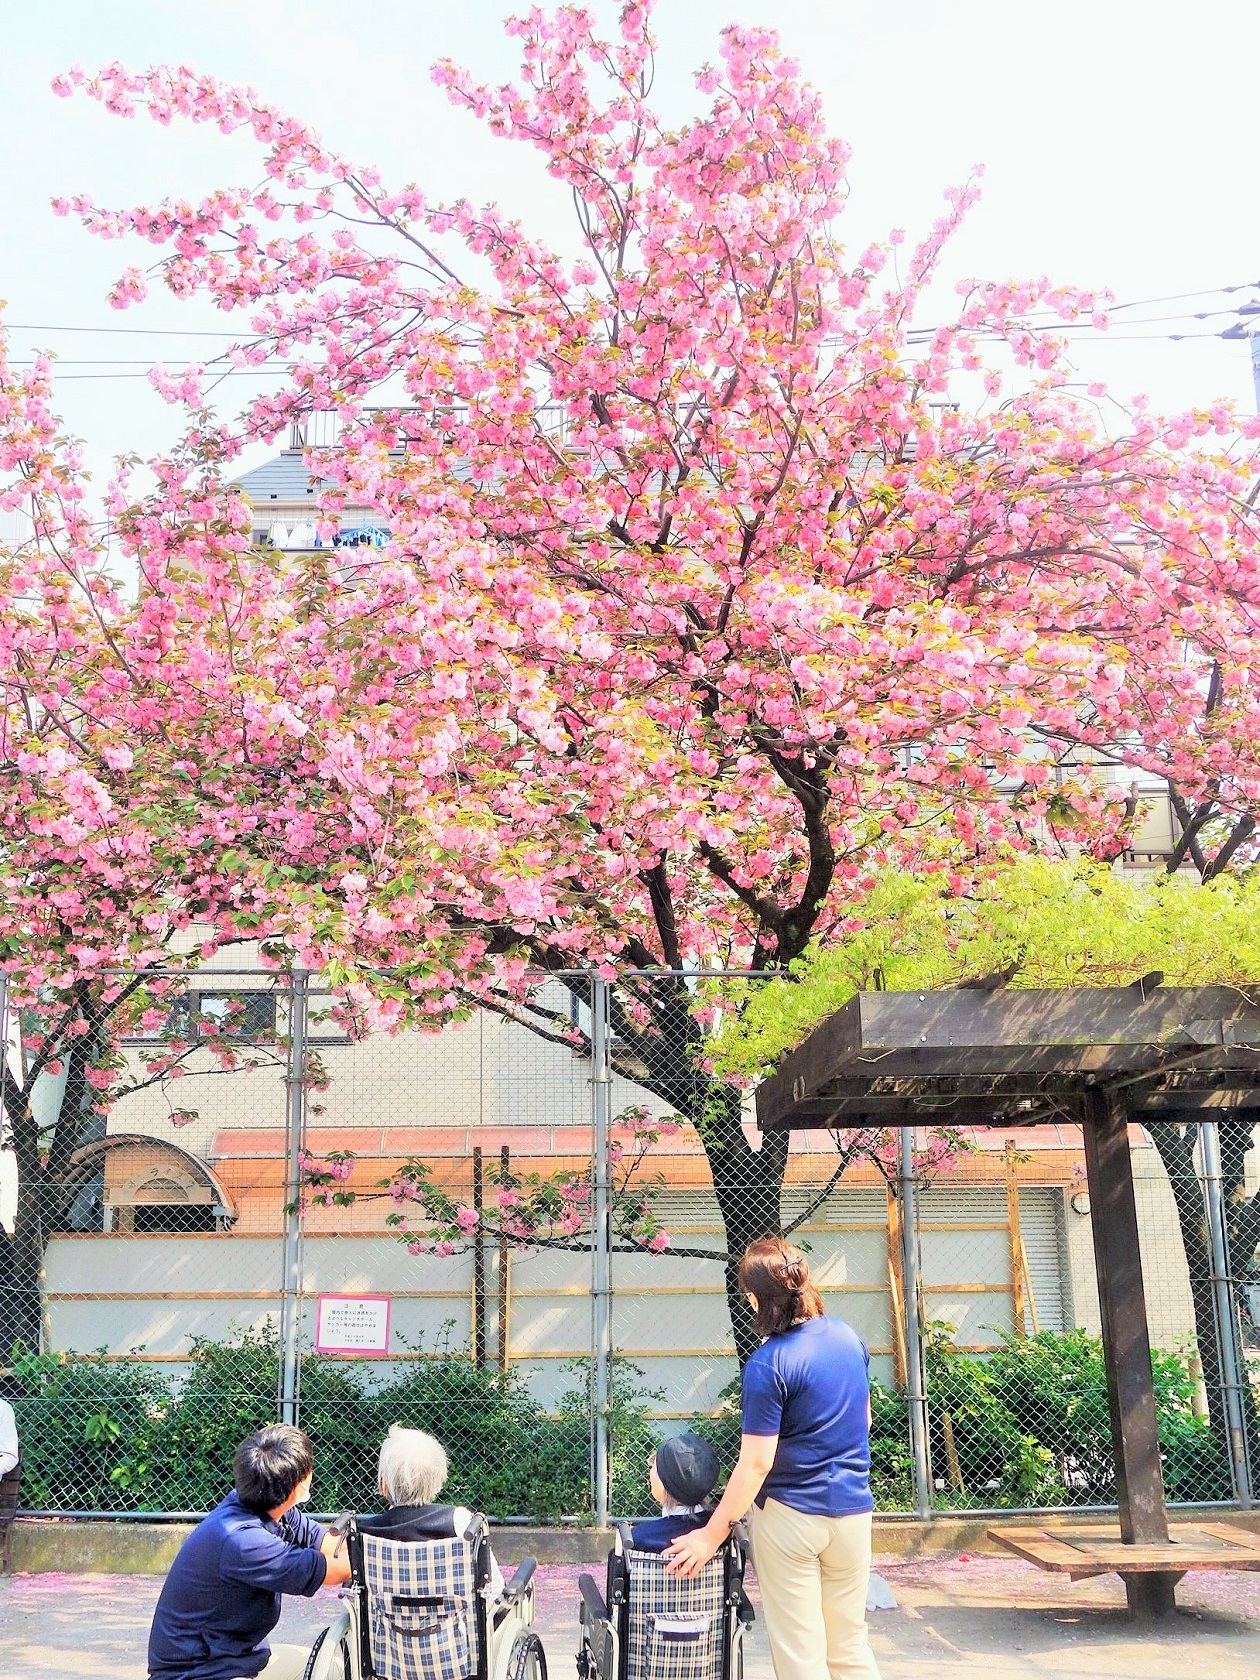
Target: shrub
(88, 1427)
(631, 1436)
(230, 1391)
(507, 1457)
(988, 1440)
(1029, 1425)
(1032, 1425)
(891, 1481)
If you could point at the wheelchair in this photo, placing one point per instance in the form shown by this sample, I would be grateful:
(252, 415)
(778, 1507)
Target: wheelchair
(653, 1626)
(422, 1610)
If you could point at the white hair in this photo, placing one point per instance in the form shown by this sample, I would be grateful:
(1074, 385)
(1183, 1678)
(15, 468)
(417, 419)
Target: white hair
(412, 1467)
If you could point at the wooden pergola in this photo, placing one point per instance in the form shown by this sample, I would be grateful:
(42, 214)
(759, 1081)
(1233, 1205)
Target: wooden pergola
(1100, 1058)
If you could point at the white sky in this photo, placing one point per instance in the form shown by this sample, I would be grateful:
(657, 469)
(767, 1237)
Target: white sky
(1118, 140)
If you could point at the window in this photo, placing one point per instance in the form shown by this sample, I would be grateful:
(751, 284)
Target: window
(241, 1016)
(244, 1016)
(172, 1216)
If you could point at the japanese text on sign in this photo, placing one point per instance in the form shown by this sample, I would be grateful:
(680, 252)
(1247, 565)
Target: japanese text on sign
(352, 1324)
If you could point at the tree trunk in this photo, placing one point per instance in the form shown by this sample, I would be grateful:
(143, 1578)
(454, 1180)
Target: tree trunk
(22, 1276)
(43, 1158)
(748, 1184)
(21, 1291)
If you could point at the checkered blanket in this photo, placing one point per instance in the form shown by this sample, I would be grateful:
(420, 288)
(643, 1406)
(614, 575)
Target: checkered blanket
(674, 1627)
(421, 1608)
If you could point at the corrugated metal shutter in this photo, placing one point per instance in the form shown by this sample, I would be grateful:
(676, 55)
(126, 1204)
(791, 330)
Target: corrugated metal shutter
(1041, 1223)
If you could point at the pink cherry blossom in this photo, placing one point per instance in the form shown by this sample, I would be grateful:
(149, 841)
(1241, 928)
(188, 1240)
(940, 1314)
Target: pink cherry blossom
(708, 595)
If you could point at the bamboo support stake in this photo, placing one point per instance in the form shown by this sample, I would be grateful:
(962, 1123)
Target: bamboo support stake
(952, 1466)
(1019, 1265)
(1028, 1285)
(894, 1290)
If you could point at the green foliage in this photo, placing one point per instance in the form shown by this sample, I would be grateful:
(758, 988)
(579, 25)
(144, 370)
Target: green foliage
(985, 1430)
(891, 1480)
(507, 1457)
(230, 1391)
(631, 1437)
(87, 1425)
(1029, 1425)
(120, 1435)
(1038, 921)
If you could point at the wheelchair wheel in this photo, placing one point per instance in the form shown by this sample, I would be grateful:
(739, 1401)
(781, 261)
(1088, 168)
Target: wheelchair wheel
(527, 1660)
(313, 1659)
(330, 1654)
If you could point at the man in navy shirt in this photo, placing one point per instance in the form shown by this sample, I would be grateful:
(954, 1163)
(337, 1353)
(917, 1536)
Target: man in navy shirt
(222, 1596)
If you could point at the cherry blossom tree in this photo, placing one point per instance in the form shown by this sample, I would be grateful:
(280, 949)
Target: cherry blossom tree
(716, 580)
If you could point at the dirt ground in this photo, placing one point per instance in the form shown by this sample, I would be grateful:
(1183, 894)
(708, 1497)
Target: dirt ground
(964, 1617)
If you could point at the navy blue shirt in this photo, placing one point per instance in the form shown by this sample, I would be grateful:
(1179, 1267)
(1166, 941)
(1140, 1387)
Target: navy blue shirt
(809, 1386)
(222, 1596)
(655, 1533)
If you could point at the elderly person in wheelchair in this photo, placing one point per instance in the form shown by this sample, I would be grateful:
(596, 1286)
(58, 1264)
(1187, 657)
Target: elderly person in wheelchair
(426, 1599)
(648, 1625)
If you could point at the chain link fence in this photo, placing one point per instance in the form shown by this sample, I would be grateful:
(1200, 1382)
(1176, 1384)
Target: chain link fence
(225, 1204)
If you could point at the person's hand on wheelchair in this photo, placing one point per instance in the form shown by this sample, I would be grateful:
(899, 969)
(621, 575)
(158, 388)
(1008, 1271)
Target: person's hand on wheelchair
(688, 1555)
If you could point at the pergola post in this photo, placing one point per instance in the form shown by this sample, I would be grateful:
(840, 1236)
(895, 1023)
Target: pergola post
(1013, 1057)
(1126, 1343)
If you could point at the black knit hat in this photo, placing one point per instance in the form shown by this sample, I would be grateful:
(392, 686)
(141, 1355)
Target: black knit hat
(688, 1468)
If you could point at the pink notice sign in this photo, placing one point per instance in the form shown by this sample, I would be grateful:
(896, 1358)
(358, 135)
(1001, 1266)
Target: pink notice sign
(352, 1324)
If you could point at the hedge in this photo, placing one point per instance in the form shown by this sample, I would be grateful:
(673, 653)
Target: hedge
(1027, 1426)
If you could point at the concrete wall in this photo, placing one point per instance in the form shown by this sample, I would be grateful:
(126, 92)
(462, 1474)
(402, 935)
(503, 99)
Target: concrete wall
(152, 1295)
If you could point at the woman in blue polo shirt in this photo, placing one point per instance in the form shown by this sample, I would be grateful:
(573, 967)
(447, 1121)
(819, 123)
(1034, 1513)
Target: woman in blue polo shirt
(804, 1468)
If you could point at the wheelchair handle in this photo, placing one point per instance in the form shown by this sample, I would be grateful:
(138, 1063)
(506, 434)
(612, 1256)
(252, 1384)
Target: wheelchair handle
(519, 1585)
(592, 1598)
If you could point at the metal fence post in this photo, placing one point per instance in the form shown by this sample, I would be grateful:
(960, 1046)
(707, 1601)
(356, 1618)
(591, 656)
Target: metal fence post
(601, 1284)
(295, 1143)
(916, 1396)
(1227, 1339)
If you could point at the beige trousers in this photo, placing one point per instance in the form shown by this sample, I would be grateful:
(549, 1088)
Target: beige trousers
(813, 1573)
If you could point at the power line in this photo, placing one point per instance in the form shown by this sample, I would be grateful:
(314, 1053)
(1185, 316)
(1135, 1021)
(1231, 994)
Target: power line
(189, 332)
(134, 332)
(1181, 297)
(135, 361)
(211, 374)
(1083, 331)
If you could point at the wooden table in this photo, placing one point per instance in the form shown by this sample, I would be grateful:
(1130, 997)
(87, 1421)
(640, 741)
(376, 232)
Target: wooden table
(1149, 1570)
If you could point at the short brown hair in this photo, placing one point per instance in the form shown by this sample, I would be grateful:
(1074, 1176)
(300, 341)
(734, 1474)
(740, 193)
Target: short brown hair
(778, 1275)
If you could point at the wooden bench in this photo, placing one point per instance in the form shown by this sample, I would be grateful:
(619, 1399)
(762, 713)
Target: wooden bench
(1150, 1570)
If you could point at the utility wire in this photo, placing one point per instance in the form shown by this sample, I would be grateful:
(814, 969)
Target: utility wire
(131, 361)
(187, 332)
(135, 332)
(1083, 331)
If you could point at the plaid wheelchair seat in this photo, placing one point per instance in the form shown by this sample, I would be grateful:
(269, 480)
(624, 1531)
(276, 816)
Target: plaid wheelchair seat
(422, 1608)
(675, 1629)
